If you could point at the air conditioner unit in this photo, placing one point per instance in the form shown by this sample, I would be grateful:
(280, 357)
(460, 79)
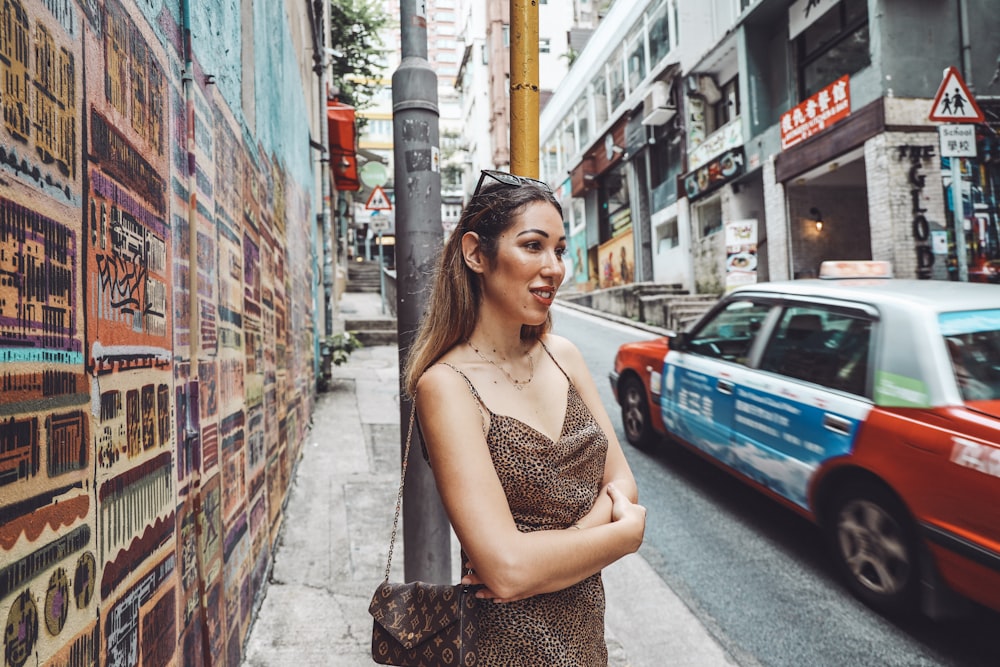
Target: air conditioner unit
(657, 107)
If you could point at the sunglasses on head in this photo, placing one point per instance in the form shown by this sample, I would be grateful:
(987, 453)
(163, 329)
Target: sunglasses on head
(508, 179)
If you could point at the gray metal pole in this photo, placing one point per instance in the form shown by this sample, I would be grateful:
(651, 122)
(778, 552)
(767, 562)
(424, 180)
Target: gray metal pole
(958, 221)
(381, 270)
(416, 149)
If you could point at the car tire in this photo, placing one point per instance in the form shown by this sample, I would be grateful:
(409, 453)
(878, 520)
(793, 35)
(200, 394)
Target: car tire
(875, 546)
(635, 412)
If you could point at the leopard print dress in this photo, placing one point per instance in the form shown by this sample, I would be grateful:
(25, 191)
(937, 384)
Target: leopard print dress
(549, 485)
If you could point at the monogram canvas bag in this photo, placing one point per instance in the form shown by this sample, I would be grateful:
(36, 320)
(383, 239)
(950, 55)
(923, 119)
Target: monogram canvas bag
(418, 624)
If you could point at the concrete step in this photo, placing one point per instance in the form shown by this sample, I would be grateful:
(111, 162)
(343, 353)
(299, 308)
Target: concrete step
(364, 287)
(371, 337)
(370, 324)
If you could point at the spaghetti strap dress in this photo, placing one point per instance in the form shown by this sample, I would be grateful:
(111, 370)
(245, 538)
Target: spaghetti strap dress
(549, 485)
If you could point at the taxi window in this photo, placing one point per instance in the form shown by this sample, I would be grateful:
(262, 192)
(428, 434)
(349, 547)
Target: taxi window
(827, 348)
(731, 332)
(973, 340)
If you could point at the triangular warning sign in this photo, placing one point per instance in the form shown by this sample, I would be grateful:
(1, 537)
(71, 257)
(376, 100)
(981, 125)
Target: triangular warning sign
(953, 102)
(378, 201)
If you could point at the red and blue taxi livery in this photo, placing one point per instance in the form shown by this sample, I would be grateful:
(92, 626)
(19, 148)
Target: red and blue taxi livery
(870, 406)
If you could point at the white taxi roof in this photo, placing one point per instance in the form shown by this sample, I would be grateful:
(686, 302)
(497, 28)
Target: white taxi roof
(937, 296)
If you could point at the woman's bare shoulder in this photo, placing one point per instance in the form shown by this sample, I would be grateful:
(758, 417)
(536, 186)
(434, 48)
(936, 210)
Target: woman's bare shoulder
(439, 381)
(562, 349)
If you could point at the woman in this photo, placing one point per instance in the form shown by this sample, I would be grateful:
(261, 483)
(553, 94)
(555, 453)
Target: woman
(524, 455)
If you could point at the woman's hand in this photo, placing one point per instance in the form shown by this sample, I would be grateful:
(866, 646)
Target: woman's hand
(624, 513)
(470, 578)
(627, 514)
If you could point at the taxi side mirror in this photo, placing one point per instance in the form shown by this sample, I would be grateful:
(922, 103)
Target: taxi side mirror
(679, 340)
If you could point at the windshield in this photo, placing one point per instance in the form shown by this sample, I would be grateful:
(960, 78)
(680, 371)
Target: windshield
(973, 340)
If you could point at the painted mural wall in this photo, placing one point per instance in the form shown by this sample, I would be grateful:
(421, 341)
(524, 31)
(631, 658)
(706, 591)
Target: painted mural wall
(156, 336)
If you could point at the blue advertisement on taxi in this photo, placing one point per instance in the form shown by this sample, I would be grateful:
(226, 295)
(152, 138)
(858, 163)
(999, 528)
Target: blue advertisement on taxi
(775, 432)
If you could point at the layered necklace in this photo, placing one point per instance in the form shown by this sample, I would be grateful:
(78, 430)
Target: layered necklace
(518, 384)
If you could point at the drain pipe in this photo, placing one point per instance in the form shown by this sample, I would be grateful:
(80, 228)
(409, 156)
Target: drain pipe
(320, 33)
(963, 40)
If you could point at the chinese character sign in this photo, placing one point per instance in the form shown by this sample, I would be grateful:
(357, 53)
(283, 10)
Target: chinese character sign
(816, 113)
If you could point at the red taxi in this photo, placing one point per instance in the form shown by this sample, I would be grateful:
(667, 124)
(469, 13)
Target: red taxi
(872, 407)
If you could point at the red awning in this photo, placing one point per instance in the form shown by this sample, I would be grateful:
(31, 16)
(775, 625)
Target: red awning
(343, 148)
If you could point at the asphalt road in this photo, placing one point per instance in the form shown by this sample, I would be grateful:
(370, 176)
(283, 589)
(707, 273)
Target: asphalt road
(754, 573)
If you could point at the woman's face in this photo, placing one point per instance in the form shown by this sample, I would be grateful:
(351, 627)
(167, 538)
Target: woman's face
(528, 268)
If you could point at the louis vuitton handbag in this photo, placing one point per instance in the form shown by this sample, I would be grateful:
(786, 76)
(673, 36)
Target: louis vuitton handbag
(418, 624)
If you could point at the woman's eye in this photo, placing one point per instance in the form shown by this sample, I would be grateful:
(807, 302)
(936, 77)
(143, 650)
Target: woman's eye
(560, 252)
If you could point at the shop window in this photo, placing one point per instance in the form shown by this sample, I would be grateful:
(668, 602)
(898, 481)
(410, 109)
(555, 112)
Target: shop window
(616, 78)
(550, 161)
(568, 142)
(582, 113)
(636, 58)
(659, 33)
(709, 217)
(728, 106)
(615, 216)
(665, 166)
(578, 215)
(835, 45)
(667, 236)
(599, 89)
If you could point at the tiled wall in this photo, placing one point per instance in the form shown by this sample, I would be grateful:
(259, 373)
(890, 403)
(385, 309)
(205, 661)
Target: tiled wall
(156, 340)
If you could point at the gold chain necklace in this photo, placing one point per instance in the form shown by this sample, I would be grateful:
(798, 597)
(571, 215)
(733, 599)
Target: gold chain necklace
(518, 384)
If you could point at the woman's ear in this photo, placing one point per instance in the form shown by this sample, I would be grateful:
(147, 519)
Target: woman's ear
(472, 252)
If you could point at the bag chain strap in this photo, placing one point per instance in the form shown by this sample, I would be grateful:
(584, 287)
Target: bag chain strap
(399, 496)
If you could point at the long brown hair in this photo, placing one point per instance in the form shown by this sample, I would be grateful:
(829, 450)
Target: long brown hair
(453, 309)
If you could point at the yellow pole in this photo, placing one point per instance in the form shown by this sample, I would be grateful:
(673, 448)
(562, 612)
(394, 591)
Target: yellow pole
(524, 87)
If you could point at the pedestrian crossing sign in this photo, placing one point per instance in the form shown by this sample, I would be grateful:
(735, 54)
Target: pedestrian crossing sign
(953, 102)
(378, 201)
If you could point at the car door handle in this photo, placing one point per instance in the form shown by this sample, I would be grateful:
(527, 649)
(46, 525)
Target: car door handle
(837, 424)
(725, 386)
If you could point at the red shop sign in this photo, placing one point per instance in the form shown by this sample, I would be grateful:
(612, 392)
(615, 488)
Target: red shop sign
(818, 112)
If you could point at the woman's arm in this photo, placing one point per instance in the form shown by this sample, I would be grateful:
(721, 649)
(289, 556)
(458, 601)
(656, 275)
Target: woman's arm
(511, 564)
(616, 468)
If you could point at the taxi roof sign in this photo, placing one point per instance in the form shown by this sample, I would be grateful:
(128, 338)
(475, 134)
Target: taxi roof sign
(953, 102)
(855, 269)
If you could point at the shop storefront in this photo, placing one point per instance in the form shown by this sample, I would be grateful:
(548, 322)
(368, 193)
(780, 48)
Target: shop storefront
(603, 177)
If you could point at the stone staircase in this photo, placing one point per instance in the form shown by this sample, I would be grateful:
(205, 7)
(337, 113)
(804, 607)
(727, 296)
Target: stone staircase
(667, 306)
(681, 312)
(370, 326)
(363, 277)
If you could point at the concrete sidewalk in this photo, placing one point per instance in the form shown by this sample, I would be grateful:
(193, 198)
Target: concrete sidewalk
(333, 545)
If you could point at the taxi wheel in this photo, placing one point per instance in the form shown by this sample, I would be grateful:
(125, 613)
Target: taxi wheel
(875, 546)
(635, 412)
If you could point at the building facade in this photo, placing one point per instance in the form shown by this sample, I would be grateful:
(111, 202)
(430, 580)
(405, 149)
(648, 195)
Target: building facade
(484, 75)
(711, 144)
